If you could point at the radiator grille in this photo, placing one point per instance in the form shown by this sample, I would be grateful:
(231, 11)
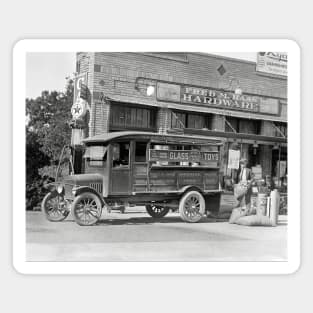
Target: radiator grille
(96, 186)
(68, 191)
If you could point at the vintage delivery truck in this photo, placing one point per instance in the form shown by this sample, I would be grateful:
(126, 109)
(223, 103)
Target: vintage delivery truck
(158, 171)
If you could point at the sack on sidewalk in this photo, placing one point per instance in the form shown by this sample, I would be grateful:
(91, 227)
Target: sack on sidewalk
(240, 190)
(236, 214)
(254, 220)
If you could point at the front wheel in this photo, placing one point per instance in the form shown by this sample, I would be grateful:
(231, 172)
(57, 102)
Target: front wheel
(87, 209)
(55, 207)
(192, 206)
(156, 211)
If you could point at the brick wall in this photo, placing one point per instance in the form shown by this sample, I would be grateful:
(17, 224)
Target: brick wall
(115, 74)
(119, 71)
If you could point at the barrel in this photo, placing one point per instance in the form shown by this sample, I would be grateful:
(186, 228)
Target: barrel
(274, 207)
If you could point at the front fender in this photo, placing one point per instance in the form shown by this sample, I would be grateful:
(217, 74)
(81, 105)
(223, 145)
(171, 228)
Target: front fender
(79, 190)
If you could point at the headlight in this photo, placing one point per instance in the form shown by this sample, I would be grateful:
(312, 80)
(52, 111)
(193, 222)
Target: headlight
(60, 189)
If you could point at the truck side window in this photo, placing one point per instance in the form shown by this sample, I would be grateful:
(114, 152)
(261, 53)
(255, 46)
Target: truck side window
(121, 154)
(140, 153)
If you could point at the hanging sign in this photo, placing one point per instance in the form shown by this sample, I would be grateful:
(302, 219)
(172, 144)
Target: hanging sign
(79, 107)
(272, 63)
(183, 156)
(233, 159)
(80, 84)
(282, 168)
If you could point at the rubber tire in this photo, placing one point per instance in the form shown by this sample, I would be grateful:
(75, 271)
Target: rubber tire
(182, 202)
(155, 214)
(44, 210)
(77, 200)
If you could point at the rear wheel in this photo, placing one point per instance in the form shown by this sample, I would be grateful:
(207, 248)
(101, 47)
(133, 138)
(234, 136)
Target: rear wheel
(55, 207)
(192, 206)
(87, 209)
(157, 211)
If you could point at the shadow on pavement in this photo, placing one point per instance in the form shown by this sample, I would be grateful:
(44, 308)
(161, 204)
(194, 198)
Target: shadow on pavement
(150, 220)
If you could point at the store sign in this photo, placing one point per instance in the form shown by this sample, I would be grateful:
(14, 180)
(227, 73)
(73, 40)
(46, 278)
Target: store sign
(219, 99)
(272, 63)
(79, 107)
(168, 92)
(269, 106)
(80, 82)
(182, 156)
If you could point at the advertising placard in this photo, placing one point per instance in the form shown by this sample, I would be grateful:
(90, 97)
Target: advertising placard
(272, 63)
(233, 159)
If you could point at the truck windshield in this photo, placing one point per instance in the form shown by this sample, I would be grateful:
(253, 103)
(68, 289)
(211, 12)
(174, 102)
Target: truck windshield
(96, 155)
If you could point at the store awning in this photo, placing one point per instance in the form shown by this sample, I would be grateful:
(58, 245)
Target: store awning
(193, 108)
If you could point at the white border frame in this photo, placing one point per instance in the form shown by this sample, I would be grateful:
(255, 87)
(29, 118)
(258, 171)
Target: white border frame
(138, 45)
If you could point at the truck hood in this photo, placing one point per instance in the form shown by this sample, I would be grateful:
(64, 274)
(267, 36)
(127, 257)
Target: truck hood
(83, 179)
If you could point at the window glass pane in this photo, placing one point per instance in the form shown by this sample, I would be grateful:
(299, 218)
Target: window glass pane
(96, 156)
(196, 121)
(178, 120)
(231, 124)
(140, 154)
(139, 117)
(131, 117)
(121, 154)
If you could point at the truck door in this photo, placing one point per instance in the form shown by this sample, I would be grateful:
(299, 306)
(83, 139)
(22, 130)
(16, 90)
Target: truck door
(120, 179)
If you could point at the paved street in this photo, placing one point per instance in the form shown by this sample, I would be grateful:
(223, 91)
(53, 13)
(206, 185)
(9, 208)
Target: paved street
(134, 236)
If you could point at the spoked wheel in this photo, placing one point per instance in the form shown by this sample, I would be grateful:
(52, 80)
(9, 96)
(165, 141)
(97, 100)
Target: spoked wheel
(55, 207)
(87, 209)
(192, 207)
(157, 211)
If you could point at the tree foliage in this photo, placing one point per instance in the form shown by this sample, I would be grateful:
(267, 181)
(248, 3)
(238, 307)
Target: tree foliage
(49, 117)
(47, 131)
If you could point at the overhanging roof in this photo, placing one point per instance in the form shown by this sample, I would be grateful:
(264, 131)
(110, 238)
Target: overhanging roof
(154, 137)
(194, 108)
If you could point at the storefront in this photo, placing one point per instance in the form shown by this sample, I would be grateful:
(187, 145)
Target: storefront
(190, 93)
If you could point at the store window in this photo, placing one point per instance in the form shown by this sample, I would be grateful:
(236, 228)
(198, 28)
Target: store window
(231, 125)
(127, 117)
(140, 152)
(243, 126)
(194, 121)
(178, 120)
(280, 129)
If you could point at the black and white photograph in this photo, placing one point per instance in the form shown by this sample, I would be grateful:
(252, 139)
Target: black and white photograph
(157, 156)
